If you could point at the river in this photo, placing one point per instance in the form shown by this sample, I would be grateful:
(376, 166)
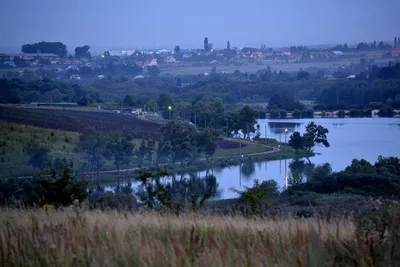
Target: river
(349, 138)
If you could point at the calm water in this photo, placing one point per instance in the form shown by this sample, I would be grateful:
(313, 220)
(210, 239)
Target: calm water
(350, 138)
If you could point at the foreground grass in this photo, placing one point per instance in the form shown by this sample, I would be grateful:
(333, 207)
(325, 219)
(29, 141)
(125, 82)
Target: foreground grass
(56, 238)
(104, 239)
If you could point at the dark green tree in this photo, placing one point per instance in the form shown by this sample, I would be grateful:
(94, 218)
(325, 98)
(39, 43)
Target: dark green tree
(82, 52)
(154, 71)
(57, 48)
(247, 120)
(315, 135)
(296, 141)
(60, 188)
(182, 138)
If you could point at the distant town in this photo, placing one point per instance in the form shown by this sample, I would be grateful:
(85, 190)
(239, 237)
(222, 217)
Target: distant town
(54, 57)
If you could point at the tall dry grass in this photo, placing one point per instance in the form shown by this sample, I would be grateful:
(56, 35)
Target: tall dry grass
(91, 238)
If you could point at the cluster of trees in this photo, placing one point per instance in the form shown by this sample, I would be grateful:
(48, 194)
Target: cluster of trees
(17, 91)
(314, 135)
(179, 142)
(361, 177)
(61, 188)
(54, 188)
(57, 48)
(82, 52)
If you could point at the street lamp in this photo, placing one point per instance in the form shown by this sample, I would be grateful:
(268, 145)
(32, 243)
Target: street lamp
(169, 108)
(286, 130)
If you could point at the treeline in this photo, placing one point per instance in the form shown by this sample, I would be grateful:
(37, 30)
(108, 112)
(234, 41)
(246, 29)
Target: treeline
(361, 177)
(375, 89)
(18, 91)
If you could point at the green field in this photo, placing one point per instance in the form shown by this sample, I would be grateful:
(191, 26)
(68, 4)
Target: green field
(253, 67)
(16, 137)
(247, 148)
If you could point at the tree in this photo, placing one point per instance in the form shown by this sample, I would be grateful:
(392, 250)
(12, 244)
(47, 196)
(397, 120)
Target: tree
(128, 101)
(164, 101)
(120, 150)
(247, 120)
(83, 101)
(256, 196)
(82, 52)
(177, 49)
(182, 139)
(207, 142)
(57, 48)
(228, 46)
(315, 135)
(154, 71)
(303, 75)
(142, 152)
(213, 70)
(296, 141)
(60, 189)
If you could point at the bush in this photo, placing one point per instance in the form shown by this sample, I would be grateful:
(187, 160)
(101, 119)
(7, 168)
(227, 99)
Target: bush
(355, 113)
(386, 112)
(367, 112)
(283, 113)
(307, 113)
(296, 113)
(341, 113)
(275, 113)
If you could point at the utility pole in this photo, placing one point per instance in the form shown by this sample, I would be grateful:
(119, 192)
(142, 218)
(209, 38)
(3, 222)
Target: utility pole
(266, 136)
(240, 149)
(227, 130)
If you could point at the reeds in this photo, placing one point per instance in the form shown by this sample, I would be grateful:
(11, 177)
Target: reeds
(91, 238)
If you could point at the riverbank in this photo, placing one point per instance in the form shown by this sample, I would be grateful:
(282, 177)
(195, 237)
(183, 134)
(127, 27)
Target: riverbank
(270, 154)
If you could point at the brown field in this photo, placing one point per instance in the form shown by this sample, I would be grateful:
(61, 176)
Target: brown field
(83, 238)
(80, 121)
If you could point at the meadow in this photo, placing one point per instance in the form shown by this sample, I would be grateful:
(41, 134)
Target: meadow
(14, 139)
(94, 238)
(253, 67)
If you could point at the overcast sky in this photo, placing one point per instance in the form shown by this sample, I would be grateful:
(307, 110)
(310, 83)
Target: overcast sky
(141, 23)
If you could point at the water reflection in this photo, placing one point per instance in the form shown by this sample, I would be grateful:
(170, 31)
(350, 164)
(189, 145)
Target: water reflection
(248, 169)
(300, 171)
(183, 186)
(279, 127)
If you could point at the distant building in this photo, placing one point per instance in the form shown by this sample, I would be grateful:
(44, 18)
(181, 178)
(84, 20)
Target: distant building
(337, 53)
(4, 57)
(61, 104)
(29, 56)
(10, 63)
(170, 59)
(396, 52)
(351, 76)
(75, 77)
(72, 67)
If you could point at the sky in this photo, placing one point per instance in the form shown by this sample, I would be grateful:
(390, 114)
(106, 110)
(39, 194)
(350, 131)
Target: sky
(105, 24)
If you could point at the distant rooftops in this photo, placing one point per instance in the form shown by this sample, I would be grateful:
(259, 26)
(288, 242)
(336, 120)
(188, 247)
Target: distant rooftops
(32, 54)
